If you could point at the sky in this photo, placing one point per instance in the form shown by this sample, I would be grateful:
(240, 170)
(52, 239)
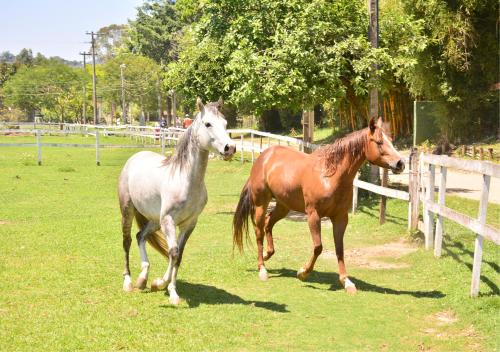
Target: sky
(57, 27)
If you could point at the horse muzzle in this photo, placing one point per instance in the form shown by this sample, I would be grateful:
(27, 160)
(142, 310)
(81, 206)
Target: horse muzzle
(229, 151)
(398, 166)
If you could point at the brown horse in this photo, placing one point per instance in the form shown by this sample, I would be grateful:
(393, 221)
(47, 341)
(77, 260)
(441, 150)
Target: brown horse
(318, 185)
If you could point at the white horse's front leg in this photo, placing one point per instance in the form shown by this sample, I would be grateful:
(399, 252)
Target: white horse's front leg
(168, 227)
(185, 232)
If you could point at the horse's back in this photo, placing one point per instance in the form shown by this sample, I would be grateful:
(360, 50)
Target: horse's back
(280, 170)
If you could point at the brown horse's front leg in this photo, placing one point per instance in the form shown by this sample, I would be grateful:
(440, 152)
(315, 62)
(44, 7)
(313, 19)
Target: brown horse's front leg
(339, 226)
(314, 222)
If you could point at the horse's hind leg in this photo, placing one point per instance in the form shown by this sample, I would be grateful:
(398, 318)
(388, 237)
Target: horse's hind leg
(127, 218)
(146, 229)
(261, 202)
(278, 213)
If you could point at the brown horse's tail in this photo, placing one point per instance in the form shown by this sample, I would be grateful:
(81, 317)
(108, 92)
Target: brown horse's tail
(156, 239)
(245, 208)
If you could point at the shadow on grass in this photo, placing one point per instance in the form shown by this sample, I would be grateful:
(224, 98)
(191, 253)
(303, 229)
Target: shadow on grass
(367, 204)
(196, 294)
(333, 279)
(456, 250)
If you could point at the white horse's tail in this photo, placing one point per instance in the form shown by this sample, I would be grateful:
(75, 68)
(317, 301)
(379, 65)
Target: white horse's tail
(158, 242)
(156, 239)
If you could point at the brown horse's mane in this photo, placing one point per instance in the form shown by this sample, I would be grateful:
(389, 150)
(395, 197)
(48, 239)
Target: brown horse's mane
(348, 146)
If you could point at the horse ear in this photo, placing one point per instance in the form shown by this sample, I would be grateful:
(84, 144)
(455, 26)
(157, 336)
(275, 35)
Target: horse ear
(372, 125)
(199, 104)
(380, 122)
(220, 102)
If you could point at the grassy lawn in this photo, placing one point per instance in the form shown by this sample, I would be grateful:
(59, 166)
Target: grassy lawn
(61, 263)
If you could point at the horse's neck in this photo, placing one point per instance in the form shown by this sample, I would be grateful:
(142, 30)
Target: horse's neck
(351, 166)
(197, 161)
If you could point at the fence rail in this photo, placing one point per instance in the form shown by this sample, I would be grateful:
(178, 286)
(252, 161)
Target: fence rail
(434, 234)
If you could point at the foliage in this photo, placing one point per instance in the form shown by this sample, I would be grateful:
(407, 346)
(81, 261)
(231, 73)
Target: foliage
(153, 32)
(141, 76)
(110, 41)
(459, 64)
(53, 88)
(275, 54)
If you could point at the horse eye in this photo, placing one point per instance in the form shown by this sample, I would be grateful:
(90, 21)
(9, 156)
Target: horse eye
(208, 125)
(379, 142)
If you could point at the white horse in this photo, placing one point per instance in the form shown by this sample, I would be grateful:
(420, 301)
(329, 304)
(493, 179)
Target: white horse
(165, 193)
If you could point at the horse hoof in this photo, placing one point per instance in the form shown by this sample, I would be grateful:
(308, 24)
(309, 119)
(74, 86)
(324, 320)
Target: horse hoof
(141, 283)
(349, 286)
(128, 287)
(351, 290)
(127, 284)
(302, 274)
(263, 274)
(175, 300)
(157, 285)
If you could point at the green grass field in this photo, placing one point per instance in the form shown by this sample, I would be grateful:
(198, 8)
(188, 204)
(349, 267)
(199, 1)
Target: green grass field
(61, 269)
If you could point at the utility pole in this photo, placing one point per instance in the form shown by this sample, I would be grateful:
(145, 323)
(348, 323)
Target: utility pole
(84, 88)
(94, 94)
(159, 98)
(373, 37)
(124, 110)
(373, 34)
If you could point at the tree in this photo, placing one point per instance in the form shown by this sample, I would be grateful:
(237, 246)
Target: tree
(154, 31)
(111, 40)
(459, 64)
(25, 57)
(141, 76)
(267, 54)
(53, 88)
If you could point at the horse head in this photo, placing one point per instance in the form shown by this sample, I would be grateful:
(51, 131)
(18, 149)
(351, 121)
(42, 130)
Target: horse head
(380, 151)
(211, 129)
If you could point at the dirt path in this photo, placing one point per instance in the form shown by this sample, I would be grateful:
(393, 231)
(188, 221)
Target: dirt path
(462, 184)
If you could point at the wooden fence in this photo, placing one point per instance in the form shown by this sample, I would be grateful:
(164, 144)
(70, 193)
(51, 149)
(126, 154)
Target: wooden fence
(434, 234)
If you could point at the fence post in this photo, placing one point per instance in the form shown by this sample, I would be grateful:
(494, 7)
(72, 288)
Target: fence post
(251, 139)
(438, 240)
(39, 145)
(429, 223)
(383, 199)
(478, 247)
(241, 143)
(413, 190)
(97, 147)
(162, 141)
(355, 195)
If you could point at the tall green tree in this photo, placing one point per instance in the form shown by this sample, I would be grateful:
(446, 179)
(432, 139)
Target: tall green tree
(141, 75)
(154, 31)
